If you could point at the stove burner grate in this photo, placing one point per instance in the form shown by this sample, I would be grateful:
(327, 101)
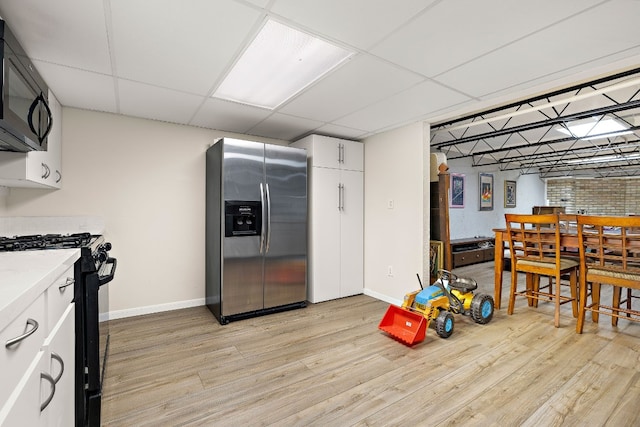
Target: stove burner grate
(44, 241)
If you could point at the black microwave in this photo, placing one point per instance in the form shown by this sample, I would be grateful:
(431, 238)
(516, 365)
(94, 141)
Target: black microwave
(25, 116)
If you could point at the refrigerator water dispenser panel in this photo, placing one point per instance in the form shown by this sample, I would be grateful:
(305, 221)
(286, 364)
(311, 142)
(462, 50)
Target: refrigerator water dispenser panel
(242, 218)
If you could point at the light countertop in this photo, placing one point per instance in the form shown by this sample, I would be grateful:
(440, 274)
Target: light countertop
(25, 275)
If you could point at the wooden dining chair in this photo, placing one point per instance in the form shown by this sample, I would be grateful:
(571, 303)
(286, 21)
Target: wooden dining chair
(537, 240)
(609, 254)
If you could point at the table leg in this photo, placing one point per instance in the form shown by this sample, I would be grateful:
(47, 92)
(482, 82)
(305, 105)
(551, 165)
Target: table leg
(499, 263)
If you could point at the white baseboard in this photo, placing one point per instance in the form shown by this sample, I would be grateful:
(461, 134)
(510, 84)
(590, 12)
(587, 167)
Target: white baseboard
(382, 297)
(150, 309)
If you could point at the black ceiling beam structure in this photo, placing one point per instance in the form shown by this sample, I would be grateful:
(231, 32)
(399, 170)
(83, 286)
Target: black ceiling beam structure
(534, 99)
(543, 123)
(527, 147)
(593, 148)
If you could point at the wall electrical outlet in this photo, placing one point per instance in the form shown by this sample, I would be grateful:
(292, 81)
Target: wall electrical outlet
(390, 204)
(390, 271)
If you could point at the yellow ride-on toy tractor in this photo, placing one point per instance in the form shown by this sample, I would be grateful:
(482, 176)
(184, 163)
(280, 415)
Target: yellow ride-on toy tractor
(449, 294)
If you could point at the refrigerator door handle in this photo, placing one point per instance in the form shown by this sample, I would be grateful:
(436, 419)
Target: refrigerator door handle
(268, 220)
(341, 196)
(262, 230)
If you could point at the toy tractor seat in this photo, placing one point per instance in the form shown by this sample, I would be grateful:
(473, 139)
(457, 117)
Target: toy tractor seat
(464, 284)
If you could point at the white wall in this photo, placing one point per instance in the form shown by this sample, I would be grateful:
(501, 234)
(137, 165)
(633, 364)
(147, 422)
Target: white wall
(394, 171)
(146, 179)
(470, 221)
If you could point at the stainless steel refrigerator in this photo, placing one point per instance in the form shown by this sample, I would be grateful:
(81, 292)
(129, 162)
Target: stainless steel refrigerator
(256, 229)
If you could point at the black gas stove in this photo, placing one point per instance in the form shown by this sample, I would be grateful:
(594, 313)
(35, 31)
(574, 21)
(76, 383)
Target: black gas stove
(92, 270)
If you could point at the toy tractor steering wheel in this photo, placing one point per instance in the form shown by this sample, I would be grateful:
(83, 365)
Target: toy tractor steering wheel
(447, 275)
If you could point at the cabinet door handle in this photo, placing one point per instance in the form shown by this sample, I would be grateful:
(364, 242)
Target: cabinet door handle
(53, 390)
(59, 176)
(16, 340)
(56, 356)
(45, 171)
(341, 153)
(339, 194)
(70, 281)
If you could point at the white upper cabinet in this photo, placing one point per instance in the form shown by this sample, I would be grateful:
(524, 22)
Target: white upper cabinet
(334, 153)
(39, 169)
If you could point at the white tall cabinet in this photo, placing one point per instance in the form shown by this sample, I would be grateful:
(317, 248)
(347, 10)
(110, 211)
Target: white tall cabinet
(336, 217)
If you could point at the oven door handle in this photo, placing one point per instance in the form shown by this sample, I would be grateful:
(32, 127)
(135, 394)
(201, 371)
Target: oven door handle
(103, 280)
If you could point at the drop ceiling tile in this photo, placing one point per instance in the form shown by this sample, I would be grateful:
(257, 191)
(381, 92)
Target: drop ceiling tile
(454, 32)
(152, 102)
(66, 32)
(259, 3)
(185, 47)
(79, 89)
(360, 82)
(599, 36)
(228, 116)
(341, 132)
(360, 23)
(282, 126)
(403, 108)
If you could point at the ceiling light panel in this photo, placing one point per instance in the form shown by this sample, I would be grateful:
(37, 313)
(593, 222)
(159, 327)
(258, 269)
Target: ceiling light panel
(595, 129)
(279, 63)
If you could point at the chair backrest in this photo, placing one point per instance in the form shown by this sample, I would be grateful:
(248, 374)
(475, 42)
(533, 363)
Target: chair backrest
(534, 237)
(610, 243)
(568, 222)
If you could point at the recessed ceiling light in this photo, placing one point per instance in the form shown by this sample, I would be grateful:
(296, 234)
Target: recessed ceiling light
(279, 63)
(591, 129)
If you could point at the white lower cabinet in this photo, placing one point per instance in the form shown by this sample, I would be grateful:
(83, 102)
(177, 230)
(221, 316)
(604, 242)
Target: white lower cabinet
(336, 234)
(38, 369)
(44, 396)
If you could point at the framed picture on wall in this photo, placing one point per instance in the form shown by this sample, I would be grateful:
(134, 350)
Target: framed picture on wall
(436, 260)
(509, 194)
(486, 192)
(457, 190)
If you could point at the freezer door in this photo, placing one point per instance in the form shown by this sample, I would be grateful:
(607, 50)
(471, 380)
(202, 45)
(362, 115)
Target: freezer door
(286, 222)
(242, 261)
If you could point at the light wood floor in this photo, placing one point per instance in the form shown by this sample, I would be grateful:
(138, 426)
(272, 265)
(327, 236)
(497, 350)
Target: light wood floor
(329, 365)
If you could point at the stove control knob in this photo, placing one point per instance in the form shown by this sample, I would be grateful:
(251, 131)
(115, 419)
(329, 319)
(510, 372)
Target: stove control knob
(101, 257)
(106, 247)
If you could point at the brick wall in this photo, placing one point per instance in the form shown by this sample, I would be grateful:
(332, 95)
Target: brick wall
(615, 197)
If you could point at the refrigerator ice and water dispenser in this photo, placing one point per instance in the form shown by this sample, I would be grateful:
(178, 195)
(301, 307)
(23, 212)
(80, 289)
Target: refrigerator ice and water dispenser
(242, 218)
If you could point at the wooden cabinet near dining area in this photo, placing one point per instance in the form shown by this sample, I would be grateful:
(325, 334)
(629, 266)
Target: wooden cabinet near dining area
(472, 250)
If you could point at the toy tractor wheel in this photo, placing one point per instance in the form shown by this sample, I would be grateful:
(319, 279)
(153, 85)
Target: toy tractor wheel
(444, 324)
(482, 308)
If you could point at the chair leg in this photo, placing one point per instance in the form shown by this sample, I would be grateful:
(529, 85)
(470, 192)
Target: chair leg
(617, 291)
(595, 301)
(529, 287)
(512, 292)
(581, 309)
(535, 285)
(556, 317)
(573, 284)
(629, 296)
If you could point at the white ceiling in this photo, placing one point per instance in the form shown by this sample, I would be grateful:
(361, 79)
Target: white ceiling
(415, 59)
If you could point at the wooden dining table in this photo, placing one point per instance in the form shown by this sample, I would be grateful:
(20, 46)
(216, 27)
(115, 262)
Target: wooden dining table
(568, 240)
